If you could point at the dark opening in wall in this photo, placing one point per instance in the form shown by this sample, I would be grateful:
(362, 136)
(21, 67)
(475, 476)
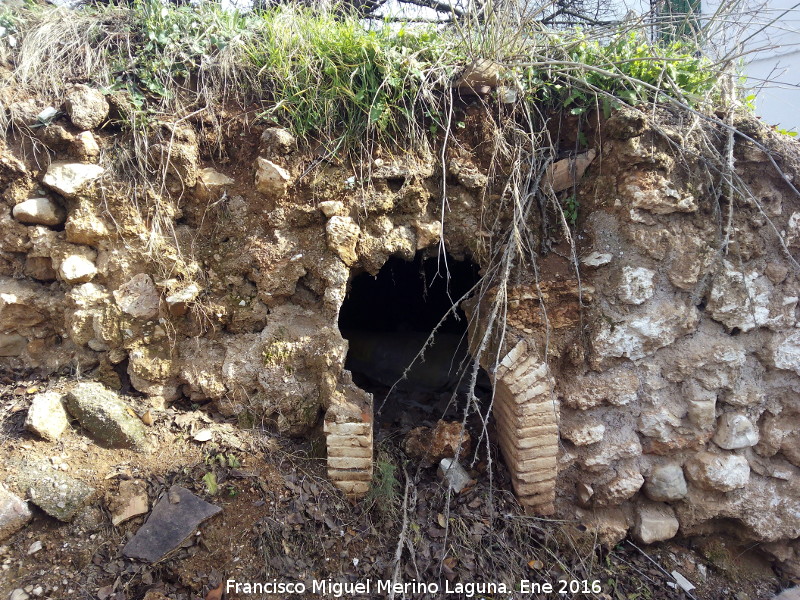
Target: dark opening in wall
(387, 319)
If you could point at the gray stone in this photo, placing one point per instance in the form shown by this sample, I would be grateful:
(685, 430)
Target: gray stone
(76, 268)
(597, 259)
(617, 387)
(583, 432)
(277, 140)
(55, 492)
(271, 180)
(735, 431)
(18, 594)
(39, 211)
(12, 344)
(655, 523)
(454, 475)
(786, 353)
(720, 472)
(635, 285)
(790, 594)
(609, 525)
(46, 416)
(637, 336)
(70, 179)
(138, 297)
(746, 300)
(14, 513)
(627, 482)
(665, 483)
(105, 416)
(87, 107)
(655, 194)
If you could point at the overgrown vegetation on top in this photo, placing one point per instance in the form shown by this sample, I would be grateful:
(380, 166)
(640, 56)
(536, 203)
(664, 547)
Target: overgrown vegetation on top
(332, 76)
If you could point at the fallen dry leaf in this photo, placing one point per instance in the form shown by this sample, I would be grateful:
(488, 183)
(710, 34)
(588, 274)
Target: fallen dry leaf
(215, 594)
(147, 418)
(535, 564)
(441, 520)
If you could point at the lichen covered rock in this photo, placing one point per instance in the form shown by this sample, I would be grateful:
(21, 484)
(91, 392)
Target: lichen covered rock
(104, 415)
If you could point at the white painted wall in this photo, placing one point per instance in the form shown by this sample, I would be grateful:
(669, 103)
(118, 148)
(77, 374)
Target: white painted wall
(768, 36)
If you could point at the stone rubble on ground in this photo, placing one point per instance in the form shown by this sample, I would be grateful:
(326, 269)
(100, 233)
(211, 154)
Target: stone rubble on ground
(106, 417)
(46, 416)
(14, 513)
(56, 493)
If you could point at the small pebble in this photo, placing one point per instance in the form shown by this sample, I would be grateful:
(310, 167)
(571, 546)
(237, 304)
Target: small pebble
(35, 547)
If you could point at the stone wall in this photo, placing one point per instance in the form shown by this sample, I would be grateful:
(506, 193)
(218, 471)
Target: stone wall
(655, 390)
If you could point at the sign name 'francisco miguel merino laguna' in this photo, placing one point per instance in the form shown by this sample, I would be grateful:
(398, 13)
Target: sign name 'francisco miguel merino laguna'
(329, 588)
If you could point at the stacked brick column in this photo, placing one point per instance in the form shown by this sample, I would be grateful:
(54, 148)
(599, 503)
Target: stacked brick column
(350, 456)
(526, 410)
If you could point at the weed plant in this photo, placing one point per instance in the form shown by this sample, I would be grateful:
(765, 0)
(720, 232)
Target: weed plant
(329, 75)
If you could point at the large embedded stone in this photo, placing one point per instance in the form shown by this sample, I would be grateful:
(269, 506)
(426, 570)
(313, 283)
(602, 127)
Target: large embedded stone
(735, 431)
(617, 387)
(342, 235)
(77, 269)
(665, 483)
(655, 523)
(84, 226)
(583, 432)
(39, 211)
(70, 179)
(87, 108)
(271, 180)
(745, 300)
(105, 416)
(14, 513)
(701, 404)
(720, 472)
(277, 140)
(635, 285)
(622, 487)
(609, 525)
(637, 336)
(211, 184)
(652, 192)
(786, 352)
(84, 146)
(138, 297)
(46, 416)
(617, 445)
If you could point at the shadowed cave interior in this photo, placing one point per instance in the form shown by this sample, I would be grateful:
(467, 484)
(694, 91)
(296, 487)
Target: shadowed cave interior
(387, 319)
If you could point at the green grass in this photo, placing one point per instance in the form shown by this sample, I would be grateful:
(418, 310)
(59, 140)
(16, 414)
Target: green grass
(329, 76)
